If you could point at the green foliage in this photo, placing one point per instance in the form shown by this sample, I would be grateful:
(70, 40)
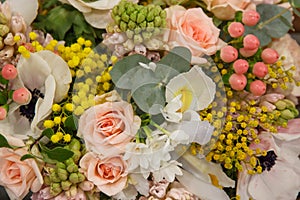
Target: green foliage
(66, 23)
(4, 142)
(58, 153)
(71, 123)
(147, 86)
(48, 132)
(27, 156)
(275, 22)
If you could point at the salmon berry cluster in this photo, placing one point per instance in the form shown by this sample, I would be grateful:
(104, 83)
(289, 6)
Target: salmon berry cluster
(245, 62)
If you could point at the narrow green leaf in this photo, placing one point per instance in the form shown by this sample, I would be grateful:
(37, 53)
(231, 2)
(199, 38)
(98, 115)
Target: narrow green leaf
(48, 132)
(295, 3)
(296, 11)
(4, 142)
(3, 98)
(27, 156)
(71, 123)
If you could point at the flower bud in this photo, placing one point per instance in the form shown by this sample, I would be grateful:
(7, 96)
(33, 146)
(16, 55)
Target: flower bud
(131, 25)
(70, 161)
(54, 177)
(55, 189)
(18, 24)
(72, 191)
(137, 39)
(123, 26)
(9, 40)
(157, 21)
(287, 114)
(9, 72)
(3, 30)
(81, 177)
(7, 52)
(133, 16)
(86, 185)
(74, 178)
(60, 165)
(280, 105)
(3, 19)
(140, 18)
(146, 35)
(72, 168)
(75, 144)
(76, 156)
(21, 96)
(125, 17)
(62, 174)
(3, 113)
(150, 16)
(47, 180)
(289, 103)
(65, 185)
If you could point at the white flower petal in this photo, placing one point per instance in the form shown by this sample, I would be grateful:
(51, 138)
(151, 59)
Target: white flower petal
(33, 71)
(79, 6)
(170, 111)
(196, 87)
(98, 18)
(28, 9)
(43, 106)
(60, 71)
(100, 4)
(200, 188)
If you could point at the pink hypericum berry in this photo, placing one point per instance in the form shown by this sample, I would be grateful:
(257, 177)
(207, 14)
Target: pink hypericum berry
(21, 96)
(9, 72)
(238, 81)
(258, 88)
(236, 29)
(229, 54)
(250, 17)
(260, 69)
(247, 53)
(240, 66)
(3, 113)
(269, 55)
(251, 42)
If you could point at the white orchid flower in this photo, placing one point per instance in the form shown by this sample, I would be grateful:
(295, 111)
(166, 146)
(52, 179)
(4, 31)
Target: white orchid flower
(48, 77)
(171, 110)
(196, 88)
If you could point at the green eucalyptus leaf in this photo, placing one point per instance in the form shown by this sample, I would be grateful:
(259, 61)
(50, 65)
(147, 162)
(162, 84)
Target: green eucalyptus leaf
(178, 58)
(48, 132)
(27, 156)
(58, 153)
(150, 98)
(275, 22)
(124, 66)
(295, 3)
(296, 11)
(165, 73)
(4, 142)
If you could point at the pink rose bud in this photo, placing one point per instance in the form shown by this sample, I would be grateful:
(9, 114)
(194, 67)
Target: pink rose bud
(236, 29)
(258, 88)
(9, 72)
(3, 113)
(238, 81)
(229, 54)
(269, 55)
(247, 53)
(251, 42)
(240, 66)
(260, 69)
(22, 96)
(250, 17)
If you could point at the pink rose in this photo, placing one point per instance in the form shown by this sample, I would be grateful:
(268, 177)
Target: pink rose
(193, 29)
(18, 177)
(225, 9)
(108, 174)
(108, 127)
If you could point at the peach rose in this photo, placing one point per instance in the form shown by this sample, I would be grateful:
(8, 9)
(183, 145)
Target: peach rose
(18, 177)
(225, 9)
(193, 29)
(108, 174)
(108, 127)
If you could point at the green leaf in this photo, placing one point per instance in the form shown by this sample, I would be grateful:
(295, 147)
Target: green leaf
(3, 80)
(3, 142)
(48, 132)
(178, 58)
(275, 22)
(296, 11)
(27, 156)
(123, 67)
(58, 153)
(71, 123)
(3, 98)
(295, 3)
(150, 98)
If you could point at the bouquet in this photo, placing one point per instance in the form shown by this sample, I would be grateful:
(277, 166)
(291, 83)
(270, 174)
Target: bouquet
(157, 99)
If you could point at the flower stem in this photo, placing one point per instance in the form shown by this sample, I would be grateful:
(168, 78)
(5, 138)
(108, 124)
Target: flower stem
(148, 131)
(263, 24)
(160, 128)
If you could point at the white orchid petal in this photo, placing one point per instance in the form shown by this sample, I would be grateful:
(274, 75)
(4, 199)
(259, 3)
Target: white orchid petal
(197, 88)
(79, 6)
(43, 106)
(201, 168)
(60, 71)
(33, 71)
(28, 9)
(279, 183)
(200, 188)
(98, 18)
